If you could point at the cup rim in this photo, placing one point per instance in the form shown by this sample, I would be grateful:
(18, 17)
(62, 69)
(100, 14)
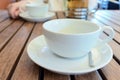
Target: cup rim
(92, 32)
(36, 5)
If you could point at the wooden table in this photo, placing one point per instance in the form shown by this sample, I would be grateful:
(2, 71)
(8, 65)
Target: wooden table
(16, 65)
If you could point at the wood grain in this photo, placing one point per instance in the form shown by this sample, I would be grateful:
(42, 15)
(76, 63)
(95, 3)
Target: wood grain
(89, 76)
(113, 44)
(111, 71)
(3, 15)
(9, 32)
(55, 76)
(113, 67)
(25, 65)
(107, 22)
(12, 51)
(5, 24)
(16, 35)
(109, 17)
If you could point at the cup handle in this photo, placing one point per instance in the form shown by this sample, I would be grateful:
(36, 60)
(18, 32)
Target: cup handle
(106, 39)
(110, 34)
(109, 37)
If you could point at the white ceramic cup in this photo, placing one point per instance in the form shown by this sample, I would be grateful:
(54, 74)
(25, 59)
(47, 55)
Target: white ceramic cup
(36, 10)
(73, 38)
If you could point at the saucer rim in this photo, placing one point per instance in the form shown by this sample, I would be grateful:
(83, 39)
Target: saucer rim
(71, 72)
(36, 19)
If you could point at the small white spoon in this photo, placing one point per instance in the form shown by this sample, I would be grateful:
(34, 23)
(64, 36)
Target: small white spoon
(91, 62)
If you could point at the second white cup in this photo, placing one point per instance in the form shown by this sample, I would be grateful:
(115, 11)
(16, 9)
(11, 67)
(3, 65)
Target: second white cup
(36, 10)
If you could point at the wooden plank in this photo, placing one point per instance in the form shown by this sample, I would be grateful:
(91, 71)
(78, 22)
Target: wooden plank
(111, 71)
(12, 51)
(89, 76)
(110, 13)
(113, 17)
(108, 18)
(2, 12)
(26, 69)
(3, 15)
(104, 22)
(108, 22)
(55, 76)
(5, 24)
(118, 11)
(112, 43)
(113, 13)
(9, 32)
(115, 47)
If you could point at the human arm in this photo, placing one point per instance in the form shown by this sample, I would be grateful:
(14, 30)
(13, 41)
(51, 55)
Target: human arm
(13, 8)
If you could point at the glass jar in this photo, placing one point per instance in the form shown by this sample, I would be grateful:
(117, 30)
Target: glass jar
(80, 8)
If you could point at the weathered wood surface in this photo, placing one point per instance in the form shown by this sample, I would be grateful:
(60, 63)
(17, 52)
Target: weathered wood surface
(15, 35)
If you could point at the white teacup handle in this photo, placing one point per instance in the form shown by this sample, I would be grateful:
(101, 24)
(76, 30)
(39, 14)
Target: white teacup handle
(106, 39)
(109, 37)
(110, 34)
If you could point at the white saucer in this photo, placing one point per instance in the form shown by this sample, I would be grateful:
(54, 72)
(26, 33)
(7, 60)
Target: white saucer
(41, 55)
(26, 16)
